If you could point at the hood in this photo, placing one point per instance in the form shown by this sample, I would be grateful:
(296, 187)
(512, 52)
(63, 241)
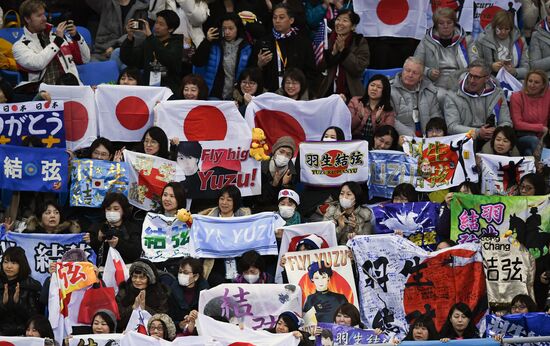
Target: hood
(488, 37)
(543, 28)
(458, 35)
(35, 225)
(490, 88)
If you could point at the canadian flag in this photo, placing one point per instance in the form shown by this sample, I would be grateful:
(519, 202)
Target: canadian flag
(202, 120)
(126, 112)
(79, 113)
(115, 270)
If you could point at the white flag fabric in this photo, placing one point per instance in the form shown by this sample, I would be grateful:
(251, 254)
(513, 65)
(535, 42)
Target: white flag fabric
(500, 175)
(95, 339)
(138, 339)
(79, 113)
(191, 120)
(126, 112)
(115, 270)
(21, 341)
(508, 83)
(138, 321)
(302, 120)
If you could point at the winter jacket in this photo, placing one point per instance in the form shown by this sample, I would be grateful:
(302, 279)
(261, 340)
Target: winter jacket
(428, 106)
(255, 29)
(360, 113)
(34, 225)
(487, 149)
(267, 201)
(32, 58)
(465, 112)
(180, 307)
(530, 113)
(14, 316)
(363, 216)
(156, 300)
(129, 241)
(486, 48)
(539, 50)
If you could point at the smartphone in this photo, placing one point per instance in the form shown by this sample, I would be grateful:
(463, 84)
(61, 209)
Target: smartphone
(137, 25)
(265, 46)
(70, 22)
(490, 121)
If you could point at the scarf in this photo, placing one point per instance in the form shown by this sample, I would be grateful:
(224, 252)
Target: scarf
(341, 85)
(278, 36)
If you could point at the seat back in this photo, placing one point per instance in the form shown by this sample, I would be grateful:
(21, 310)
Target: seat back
(85, 33)
(95, 73)
(11, 35)
(390, 73)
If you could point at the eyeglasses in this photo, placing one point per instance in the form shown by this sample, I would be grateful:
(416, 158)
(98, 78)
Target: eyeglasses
(475, 77)
(100, 154)
(159, 328)
(292, 82)
(519, 307)
(248, 82)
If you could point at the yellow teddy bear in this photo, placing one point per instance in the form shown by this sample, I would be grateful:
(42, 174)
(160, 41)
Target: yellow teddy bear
(185, 216)
(258, 147)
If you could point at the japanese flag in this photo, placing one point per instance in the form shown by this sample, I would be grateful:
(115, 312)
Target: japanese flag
(79, 113)
(302, 120)
(126, 112)
(202, 120)
(115, 270)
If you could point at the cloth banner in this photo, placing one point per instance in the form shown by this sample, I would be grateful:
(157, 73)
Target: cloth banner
(325, 230)
(389, 168)
(326, 279)
(210, 165)
(164, 237)
(323, 165)
(417, 221)
(138, 321)
(40, 119)
(215, 237)
(34, 169)
(91, 180)
(302, 120)
(96, 339)
(508, 83)
(21, 341)
(42, 249)
(527, 219)
(343, 335)
(126, 111)
(79, 113)
(73, 276)
(202, 120)
(509, 269)
(464, 11)
(398, 18)
(484, 11)
(230, 334)
(148, 176)
(249, 304)
(115, 271)
(443, 162)
(500, 175)
(519, 325)
(399, 281)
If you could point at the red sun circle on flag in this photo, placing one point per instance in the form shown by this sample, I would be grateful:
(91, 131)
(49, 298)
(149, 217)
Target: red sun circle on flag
(392, 12)
(132, 113)
(205, 123)
(487, 15)
(14, 108)
(76, 120)
(441, 163)
(277, 124)
(332, 170)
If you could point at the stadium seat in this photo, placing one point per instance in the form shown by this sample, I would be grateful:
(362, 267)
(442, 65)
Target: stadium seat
(12, 77)
(85, 33)
(390, 73)
(11, 34)
(95, 73)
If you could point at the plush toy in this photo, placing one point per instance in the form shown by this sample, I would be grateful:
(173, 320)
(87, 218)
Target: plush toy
(185, 216)
(258, 147)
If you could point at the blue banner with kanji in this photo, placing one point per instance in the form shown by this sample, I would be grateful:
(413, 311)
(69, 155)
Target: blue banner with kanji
(344, 335)
(389, 168)
(42, 119)
(33, 169)
(519, 325)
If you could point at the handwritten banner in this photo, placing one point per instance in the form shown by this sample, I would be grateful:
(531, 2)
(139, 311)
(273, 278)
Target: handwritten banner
(334, 334)
(389, 168)
(500, 175)
(164, 237)
(95, 339)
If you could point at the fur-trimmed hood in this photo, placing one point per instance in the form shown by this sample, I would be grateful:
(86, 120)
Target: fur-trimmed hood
(34, 225)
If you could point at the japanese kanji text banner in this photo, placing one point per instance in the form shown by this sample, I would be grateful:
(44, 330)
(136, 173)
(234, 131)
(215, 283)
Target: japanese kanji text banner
(95, 339)
(40, 119)
(164, 237)
(519, 325)
(33, 169)
(500, 175)
(334, 163)
(389, 168)
(525, 219)
(343, 335)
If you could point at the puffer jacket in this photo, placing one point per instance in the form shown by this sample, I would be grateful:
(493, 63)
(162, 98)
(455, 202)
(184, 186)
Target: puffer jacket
(14, 316)
(34, 225)
(539, 51)
(363, 216)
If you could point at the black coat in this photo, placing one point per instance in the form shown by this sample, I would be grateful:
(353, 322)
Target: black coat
(156, 301)
(180, 307)
(14, 316)
(129, 241)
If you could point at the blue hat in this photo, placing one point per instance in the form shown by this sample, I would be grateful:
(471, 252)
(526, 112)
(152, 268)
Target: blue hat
(298, 322)
(318, 267)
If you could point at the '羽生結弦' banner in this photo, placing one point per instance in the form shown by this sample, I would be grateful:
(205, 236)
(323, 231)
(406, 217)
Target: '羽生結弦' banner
(336, 334)
(164, 237)
(333, 163)
(500, 175)
(389, 168)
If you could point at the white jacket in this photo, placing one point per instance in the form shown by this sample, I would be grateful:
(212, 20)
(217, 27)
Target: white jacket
(32, 58)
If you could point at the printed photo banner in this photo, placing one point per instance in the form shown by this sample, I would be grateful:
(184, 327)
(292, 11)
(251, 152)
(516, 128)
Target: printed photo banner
(443, 162)
(164, 237)
(485, 10)
(250, 304)
(519, 325)
(148, 176)
(42, 249)
(336, 335)
(322, 234)
(33, 169)
(216, 237)
(91, 180)
(96, 339)
(389, 168)
(326, 279)
(334, 163)
(40, 119)
(525, 219)
(210, 165)
(399, 281)
(500, 175)
(417, 221)
(509, 269)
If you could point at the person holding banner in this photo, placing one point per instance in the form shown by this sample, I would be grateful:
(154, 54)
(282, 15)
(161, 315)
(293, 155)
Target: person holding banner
(386, 138)
(532, 184)
(294, 85)
(522, 304)
(49, 219)
(39, 326)
(289, 201)
(251, 268)
(154, 142)
(250, 83)
(422, 329)
(444, 220)
(459, 324)
(193, 87)
(348, 315)
(289, 322)
(172, 199)
(129, 76)
(161, 327)
(502, 143)
(104, 322)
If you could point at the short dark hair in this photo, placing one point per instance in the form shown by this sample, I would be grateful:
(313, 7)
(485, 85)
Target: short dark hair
(44, 206)
(28, 7)
(423, 321)
(356, 190)
(171, 18)
(112, 197)
(106, 143)
(350, 310)
(405, 190)
(354, 17)
(195, 79)
(448, 331)
(255, 75)
(387, 130)
(158, 135)
(232, 16)
(339, 133)
(250, 259)
(42, 325)
(297, 75)
(194, 263)
(537, 180)
(17, 254)
(437, 123)
(508, 132)
(473, 187)
(108, 319)
(235, 195)
(525, 299)
(130, 72)
(327, 334)
(385, 99)
(179, 194)
(286, 7)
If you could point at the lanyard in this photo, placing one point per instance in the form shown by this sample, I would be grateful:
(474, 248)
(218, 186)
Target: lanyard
(281, 59)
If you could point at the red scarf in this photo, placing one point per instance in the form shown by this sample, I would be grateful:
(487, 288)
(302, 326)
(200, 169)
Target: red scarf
(341, 85)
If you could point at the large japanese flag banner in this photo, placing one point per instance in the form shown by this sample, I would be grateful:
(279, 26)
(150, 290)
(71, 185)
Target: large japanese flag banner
(519, 325)
(394, 18)
(525, 219)
(202, 120)
(164, 237)
(509, 269)
(42, 249)
(33, 169)
(500, 175)
(21, 341)
(443, 162)
(334, 163)
(257, 306)
(326, 279)
(399, 280)
(115, 271)
(91, 180)
(230, 334)
(215, 237)
(218, 164)
(80, 116)
(40, 119)
(389, 168)
(95, 339)
(417, 221)
(344, 335)
(322, 234)
(126, 112)
(148, 176)
(302, 120)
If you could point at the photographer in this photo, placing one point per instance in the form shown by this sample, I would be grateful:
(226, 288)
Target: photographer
(116, 231)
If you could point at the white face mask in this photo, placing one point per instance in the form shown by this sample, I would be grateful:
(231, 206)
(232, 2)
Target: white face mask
(112, 216)
(346, 203)
(251, 278)
(281, 160)
(286, 211)
(328, 139)
(183, 279)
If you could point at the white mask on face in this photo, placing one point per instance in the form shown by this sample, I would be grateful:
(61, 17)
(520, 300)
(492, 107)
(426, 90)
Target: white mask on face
(286, 211)
(251, 278)
(328, 139)
(183, 279)
(112, 216)
(346, 203)
(281, 160)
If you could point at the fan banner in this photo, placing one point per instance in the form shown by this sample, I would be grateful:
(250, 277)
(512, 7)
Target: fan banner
(389, 168)
(164, 237)
(500, 175)
(335, 334)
